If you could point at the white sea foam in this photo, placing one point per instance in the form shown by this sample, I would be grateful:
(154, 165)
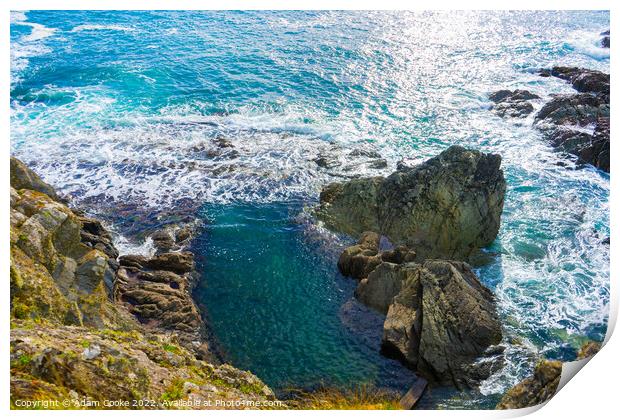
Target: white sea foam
(18, 16)
(38, 32)
(27, 46)
(80, 28)
(128, 247)
(588, 43)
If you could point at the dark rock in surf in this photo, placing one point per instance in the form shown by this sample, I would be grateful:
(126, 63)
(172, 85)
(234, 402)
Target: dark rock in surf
(582, 80)
(589, 349)
(577, 109)
(606, 39)
(157, 290)
(513, 103)
(173, 237)
(559, 117)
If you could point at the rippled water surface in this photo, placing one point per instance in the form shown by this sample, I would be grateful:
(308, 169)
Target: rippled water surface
(122, 110)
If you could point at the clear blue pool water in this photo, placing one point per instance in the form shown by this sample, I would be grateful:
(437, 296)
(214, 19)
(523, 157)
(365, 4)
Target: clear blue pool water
(119, 110)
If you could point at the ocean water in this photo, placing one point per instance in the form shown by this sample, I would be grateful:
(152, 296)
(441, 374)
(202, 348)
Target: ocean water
(120, 110)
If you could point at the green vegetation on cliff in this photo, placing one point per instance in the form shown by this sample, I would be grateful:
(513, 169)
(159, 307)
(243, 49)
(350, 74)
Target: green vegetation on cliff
(74, 344)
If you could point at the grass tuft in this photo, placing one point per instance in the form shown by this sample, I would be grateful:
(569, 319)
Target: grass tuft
(364, 397)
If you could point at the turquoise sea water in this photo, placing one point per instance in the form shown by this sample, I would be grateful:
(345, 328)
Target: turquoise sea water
(119, 110)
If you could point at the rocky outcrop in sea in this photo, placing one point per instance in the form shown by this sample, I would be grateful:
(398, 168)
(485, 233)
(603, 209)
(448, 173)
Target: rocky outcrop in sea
(576, 124)
(440, 319)
(446, 207)
(88, 325)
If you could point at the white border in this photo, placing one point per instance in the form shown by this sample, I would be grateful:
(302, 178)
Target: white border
(592, 395)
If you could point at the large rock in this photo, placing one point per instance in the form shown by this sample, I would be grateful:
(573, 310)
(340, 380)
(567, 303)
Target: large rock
(24, 178)
(439, 318)
(446, 207)
(583, 80)
(537, 389)
(55, 275)
(576, 109)
(513, 103)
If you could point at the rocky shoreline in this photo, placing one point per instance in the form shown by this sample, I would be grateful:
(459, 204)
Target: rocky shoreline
(90, 325)
(575, 124)
(421, 225)
(80, 310)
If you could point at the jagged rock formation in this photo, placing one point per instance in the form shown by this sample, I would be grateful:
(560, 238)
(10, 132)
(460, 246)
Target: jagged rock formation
(565, 120)
(439, 317)
(537, 389)
(72, 338)
(446, 207)
(358, 261)
(513, 103)
(157, 291)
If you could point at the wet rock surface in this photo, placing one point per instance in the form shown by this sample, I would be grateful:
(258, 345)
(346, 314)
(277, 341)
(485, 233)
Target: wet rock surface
(567, 120)
(513, 103)
(446, 207)
(537, 389)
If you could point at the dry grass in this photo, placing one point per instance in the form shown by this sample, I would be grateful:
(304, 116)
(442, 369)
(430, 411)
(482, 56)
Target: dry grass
(359, 398)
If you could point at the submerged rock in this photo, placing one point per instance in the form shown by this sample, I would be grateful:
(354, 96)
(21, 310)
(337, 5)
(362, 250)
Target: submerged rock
(537, 389)
(513, 103)
(446, 207)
